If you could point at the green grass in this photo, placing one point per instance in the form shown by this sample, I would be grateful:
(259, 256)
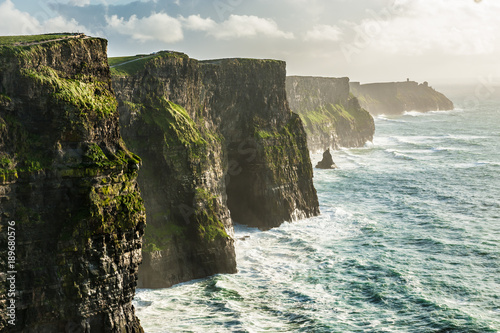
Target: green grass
(130, 68)
(116, 61)
(86, 96)
(123, 66)
(11, 40)
(242, 61)
(174, 120)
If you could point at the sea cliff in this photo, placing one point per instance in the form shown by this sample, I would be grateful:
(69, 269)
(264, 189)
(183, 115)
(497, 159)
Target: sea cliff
(219, 143)
(332, 116)
(392, 98)
(68, 191)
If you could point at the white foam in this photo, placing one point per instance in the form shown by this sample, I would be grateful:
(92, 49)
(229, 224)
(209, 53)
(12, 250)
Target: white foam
(440, 149)
(415, 113)
(399, 155)
(383, 117)
(487, 163)
(447, 112)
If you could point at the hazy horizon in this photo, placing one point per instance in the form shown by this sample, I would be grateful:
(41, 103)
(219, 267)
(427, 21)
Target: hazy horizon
(444, 42)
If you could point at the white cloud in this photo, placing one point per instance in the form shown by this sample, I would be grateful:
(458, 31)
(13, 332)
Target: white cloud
(323, 32)
(237, 26)
(158, 26)
(161, 27)
(79, 3)
(13, 21)
(59, 23)
(16, 22)
(421, 27)
(196, 22)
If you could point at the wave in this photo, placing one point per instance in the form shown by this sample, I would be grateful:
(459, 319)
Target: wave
(415, 113)
(432, 112)
(417, 140)
(398, 155)
(456, 110)
(433, 142)
(464, 137)
(478, 163)
(447, 149)
(383, 117)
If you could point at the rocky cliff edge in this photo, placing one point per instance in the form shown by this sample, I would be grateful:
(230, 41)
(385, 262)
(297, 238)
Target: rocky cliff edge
(68, 194)
(392, 98)
(332, 116)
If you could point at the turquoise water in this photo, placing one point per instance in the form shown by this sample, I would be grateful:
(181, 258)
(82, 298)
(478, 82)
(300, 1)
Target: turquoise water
(408, 241)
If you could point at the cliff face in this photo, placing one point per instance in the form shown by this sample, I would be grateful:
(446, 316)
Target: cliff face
(68, 183)
(398, 97)
(189, 229)
(331, 115)
(215, 136)
(270, 174)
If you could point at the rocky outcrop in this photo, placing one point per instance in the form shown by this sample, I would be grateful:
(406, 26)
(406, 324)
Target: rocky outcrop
(215, 137)
(332, 117)
(397, 97)
(68, 193)
(327, 161)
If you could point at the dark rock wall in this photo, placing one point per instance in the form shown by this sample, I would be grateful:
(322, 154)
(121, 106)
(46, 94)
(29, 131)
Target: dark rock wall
(237, 147)
(69, 183)
(397, 97)
(270, 176)
(332, 116)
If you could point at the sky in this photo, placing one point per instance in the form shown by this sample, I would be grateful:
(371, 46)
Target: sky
(439, 41)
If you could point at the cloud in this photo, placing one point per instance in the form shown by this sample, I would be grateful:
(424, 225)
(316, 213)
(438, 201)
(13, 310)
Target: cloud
(16, 22)
(13, 21)
(324, 32)
(237, 26)
(162, 27)
(158, 26)
(418, 27)
(79, 3)
(195, 22)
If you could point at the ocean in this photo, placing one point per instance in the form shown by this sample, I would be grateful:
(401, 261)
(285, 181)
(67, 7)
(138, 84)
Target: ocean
(408, 241)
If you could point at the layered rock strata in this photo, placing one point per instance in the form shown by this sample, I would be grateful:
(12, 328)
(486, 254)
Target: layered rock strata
(332, 116)
(68, 192)
(392, 98)
(218, 141)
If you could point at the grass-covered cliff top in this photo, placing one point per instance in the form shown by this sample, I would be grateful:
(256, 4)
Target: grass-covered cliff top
(239, 60)
(34, 39)
(132, 64)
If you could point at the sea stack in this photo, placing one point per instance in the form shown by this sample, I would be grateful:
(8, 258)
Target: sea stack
(327, 161)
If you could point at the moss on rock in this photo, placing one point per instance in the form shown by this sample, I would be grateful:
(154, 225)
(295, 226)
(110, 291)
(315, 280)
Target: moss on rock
(86, 95)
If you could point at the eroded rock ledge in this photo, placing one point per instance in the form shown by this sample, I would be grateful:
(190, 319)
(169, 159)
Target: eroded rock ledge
(218, 141)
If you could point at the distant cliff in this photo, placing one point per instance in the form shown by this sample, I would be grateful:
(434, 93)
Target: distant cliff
(68, 183)
(398, 97)
(332, 116)
(218, 141)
